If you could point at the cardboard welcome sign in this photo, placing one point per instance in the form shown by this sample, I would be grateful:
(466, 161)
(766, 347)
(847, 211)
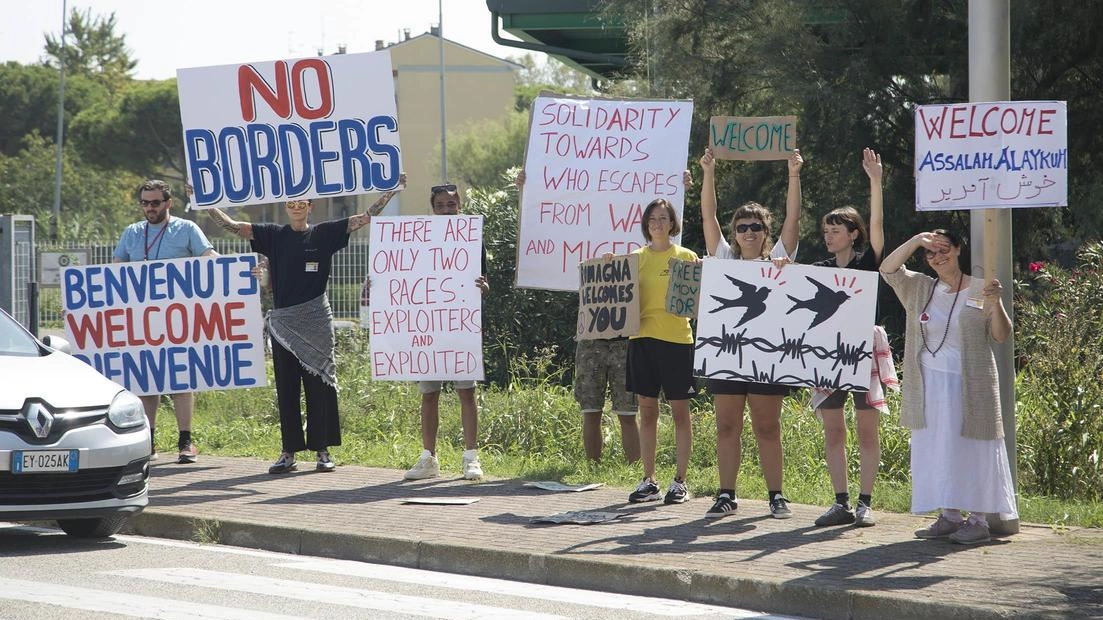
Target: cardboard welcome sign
(609, 297)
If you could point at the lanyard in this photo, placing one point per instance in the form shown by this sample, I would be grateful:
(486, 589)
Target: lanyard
(157, 239)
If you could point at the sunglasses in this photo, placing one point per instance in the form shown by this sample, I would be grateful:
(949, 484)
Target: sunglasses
(153, 203)
(436, 189)
(932, 254)
(754, 227)
(298, 204)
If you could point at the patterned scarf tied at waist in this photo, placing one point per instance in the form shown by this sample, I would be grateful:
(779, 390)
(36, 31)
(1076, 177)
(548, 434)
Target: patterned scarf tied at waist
(306, 330)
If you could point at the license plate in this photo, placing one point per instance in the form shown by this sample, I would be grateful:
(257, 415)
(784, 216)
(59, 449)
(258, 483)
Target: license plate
(38, 461)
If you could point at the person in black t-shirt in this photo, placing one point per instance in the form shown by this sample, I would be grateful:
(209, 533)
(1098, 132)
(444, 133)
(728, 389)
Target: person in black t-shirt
(301, 322)
(843, 229)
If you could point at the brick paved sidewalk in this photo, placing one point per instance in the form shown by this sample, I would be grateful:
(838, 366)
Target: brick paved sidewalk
(748, 559)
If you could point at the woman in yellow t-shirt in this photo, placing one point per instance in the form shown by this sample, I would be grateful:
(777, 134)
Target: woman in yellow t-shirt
(660, 358)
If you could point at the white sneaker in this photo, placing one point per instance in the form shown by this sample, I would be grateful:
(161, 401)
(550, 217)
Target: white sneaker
(472, 469)
(426, 467)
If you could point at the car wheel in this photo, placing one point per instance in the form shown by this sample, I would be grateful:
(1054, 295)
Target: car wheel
(102, 527)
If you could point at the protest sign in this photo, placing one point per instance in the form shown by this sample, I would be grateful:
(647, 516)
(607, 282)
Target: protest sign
(591, 166)
(991, 155)
(425, 310)
(306, 128)
(752, 138)
(161, 326)
(683, 294)
(608, 297)
(801, 325)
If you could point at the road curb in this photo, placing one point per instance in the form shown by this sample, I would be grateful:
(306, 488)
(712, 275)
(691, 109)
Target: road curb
(596, 573)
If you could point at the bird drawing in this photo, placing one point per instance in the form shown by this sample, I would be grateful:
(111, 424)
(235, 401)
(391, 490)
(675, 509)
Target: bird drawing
(751, 297)
(825, 303)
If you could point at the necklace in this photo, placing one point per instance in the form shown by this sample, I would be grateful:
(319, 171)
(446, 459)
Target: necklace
(924, 317)
(157, 239)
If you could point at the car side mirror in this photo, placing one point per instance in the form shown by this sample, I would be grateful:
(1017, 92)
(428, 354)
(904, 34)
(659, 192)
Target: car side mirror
(57, 343)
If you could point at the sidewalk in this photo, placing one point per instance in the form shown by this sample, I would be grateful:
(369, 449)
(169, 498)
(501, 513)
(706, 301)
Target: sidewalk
(748, 560)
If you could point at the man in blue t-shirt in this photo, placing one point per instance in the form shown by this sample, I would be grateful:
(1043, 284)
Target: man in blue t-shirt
(158, 237)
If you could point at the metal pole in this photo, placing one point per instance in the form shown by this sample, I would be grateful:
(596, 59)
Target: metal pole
(443, 131)
(990, 229)
(60, 137)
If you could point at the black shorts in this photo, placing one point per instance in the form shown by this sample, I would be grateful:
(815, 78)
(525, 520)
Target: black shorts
(736, 388)
(838, 399)
(655, 365)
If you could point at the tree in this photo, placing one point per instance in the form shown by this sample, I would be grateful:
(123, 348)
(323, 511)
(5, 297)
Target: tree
(479, 154)
(96, 205)
(28, 101)
(852, 71)
(92, 48)
(139, 130)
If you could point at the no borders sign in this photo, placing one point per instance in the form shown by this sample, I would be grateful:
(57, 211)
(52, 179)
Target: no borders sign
(304, 128)
(591, 166)
(1000, 154)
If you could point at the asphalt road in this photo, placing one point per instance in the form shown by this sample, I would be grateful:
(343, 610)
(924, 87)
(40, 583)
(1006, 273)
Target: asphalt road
(45, 574)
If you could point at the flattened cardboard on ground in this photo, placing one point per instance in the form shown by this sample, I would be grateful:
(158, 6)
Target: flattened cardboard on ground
(551, 485)
(683, 294)
(752, 138)
(579, 517)
(439, 501)
(608, 297)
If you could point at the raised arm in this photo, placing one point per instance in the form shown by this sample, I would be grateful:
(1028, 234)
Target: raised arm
(709, 224)
(893, 262)
(361, 220)
(790, 228)
(241, 229)
(871, 162)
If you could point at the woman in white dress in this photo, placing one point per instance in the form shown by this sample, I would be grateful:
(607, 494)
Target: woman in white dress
(951, 391)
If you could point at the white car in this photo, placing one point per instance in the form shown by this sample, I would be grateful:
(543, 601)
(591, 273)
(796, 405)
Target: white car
(74, 446)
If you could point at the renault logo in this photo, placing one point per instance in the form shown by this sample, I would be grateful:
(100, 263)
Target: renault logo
(39, 419)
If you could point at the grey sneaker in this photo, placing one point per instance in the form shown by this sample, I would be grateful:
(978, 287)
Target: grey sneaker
(971, 533)
(863, 516)
(283, 465)
(676, 493)
(837, 514)
(647, 491)
(941, 528)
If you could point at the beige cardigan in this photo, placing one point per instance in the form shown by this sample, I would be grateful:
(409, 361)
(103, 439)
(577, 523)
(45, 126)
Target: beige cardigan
(980, 382)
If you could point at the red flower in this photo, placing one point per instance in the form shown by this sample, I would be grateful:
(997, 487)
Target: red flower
(1035, 267)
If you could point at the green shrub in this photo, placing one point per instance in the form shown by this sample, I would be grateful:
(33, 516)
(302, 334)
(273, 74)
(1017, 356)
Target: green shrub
(1059, 333)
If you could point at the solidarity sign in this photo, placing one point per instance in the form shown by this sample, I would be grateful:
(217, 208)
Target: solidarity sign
(160, 326)
(305, 128)
(991, 155)
(800, 325)
(591, 166)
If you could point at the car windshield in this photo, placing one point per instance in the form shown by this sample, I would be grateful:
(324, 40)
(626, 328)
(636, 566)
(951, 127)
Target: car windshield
(14, 340)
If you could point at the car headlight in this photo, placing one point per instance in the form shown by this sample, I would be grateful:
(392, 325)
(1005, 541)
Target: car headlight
(126, 411)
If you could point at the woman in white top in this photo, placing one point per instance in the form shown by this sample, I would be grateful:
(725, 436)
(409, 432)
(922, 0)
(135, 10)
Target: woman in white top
(950, 392)
(750, 235)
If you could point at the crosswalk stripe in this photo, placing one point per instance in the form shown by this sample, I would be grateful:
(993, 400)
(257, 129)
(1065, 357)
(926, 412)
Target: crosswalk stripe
(332, 595)
(134, 605)
(590, 598)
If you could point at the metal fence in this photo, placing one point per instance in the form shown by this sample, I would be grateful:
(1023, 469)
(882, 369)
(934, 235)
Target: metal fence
(350, 269)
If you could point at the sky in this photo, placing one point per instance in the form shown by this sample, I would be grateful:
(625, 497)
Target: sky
(165, 35)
